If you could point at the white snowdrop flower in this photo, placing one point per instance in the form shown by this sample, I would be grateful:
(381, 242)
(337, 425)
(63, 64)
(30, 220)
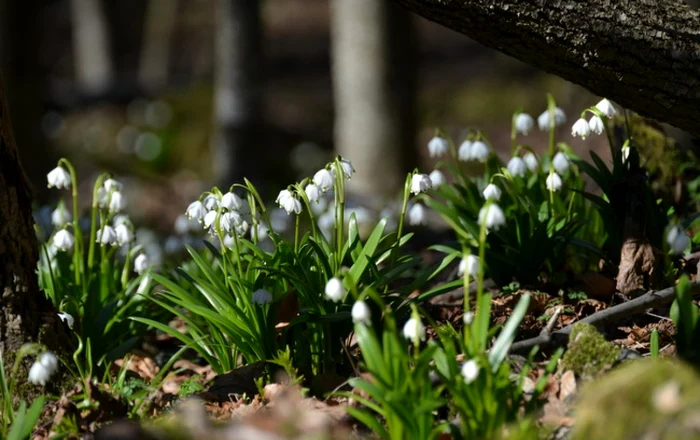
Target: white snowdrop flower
(414, 329)
(464, 152)
(437, 178)
(625, 153)
(121, 219)
(438, 146)
(420, 183)
(492, 192)
(335, 291)
(479, 151)
(531, 161)
(282, 196)
(262, 296)
(44, 367)
(209, 219)
(581, 128)
(560, 163)
(468, 318)
(112, 185)
(196, 211)
(228, 220)
(58, 177)
(524, 123)
(553, 182)
(231, 201)
(491, 215)
(313, 192)
(290, 203)
(241, 228)
(60, 216)
(141, 263)
(596, 124)
(63, 240)
(517, 167)
(117, 202)
(677, 240)
(347, 168)
(416, 215)
(262, 232)
(544, 123)
(67, 318)
(211, 202)
(107, 236)
(361, 313)
(469, 264)
(607, 108)
(124, 234)
(470, 371)
(324, 179)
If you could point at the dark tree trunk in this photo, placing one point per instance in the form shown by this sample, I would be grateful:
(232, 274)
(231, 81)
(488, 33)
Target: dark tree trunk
(374, 88)
(25, 313)
(643, 54)
(236, 141)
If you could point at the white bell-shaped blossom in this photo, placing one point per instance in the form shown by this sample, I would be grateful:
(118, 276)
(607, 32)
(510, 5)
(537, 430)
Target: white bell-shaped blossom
(60, 216)
(63, 240)
(531, 161)
(492, 192)
(464, 152)
(102, 197)
(491, 216)
(124, 234)
(420, 183)
(262, 296)
(117, 202)
(209, 219)
(479, 151)
(141, 263)
(324, 179)
(313, 192)
(262, 231)
(553, 182)
(438, 146)
(524, 123)
(544, 123)
(560, 163)
(67, 318)
(59, 178)
(229, 220)
(596, 124)
(414, 330)
(196, 211)
(437, 178)
(517, 167)
(347, 168)
(678, 241)
(121, 219)
(112, 185)
(469, 264)
(231, 201)
(211, 202)
(581, 128)
(43, 368)
(470, 371)
(607, 108)
(361, 313)
(289, 202)
(468, 318)
(335, 291)
(107, 236)
(416, 215)
(283, 196)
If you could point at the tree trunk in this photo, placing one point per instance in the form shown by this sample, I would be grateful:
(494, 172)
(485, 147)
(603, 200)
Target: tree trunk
(644, 54)
(92, 54)
(373, 88)
(155, 53)
(235, 146)
(25, 313)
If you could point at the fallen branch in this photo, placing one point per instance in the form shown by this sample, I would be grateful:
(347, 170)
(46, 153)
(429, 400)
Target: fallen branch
(559, 337)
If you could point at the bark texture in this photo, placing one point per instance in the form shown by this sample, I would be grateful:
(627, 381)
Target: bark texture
(25, 313)
(373, 89)
(643, 54)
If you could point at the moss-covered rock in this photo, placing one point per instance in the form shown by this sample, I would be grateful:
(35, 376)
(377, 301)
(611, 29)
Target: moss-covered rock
(642, 399)
(588, 352)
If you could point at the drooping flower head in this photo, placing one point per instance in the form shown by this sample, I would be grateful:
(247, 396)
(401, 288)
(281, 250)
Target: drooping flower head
(335, 291)
(524, 123)
(492, 192)
(491, 216)
(438, 146)
(517, 167)
(44, 367)
(470, 371)
(437, 178)
(544, 122)
(581, 128)
(416, 215)
(607, 108)
(420, 183)
(553, 182)
(560, 163)
(59, 178)
(469, 264)
(361, 313)
(63, 240)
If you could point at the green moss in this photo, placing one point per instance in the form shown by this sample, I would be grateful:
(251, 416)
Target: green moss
(588, 352)
(642, 399)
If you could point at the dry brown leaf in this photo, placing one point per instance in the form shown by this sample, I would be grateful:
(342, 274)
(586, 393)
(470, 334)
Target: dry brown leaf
(638, 259)
(567, 385)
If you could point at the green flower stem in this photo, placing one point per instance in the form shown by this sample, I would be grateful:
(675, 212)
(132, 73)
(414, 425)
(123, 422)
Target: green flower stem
(127, 265)
(513, 135)
(296, 233)
(402, 219)
(237, 246)
(551, 107)
(78, 269)
(339, 209)
(93, 223)
(300, 190)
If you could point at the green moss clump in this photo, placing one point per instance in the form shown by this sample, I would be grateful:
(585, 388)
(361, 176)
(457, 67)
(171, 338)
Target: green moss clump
(588, 352)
